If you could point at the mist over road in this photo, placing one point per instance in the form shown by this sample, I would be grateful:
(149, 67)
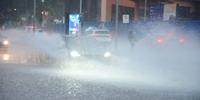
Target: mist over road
(42, 71)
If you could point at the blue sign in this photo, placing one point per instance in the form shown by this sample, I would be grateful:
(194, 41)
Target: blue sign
(74, 22)
(156, 11)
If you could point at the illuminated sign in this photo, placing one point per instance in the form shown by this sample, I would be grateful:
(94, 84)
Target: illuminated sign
(74, 22)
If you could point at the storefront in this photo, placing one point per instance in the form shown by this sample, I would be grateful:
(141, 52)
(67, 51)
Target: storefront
(101, 10)
(108, 9)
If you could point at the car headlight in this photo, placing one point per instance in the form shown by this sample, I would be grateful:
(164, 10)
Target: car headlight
(6, 57)
(107, 54)
(74, 54)
(5, 42)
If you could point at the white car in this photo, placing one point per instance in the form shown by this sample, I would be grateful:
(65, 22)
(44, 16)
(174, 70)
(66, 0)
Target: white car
(93, 43)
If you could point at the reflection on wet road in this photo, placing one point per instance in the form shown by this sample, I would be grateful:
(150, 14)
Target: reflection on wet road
(22, 82)
(37, 66)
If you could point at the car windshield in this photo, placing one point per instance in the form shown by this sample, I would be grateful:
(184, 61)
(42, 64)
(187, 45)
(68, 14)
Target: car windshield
(99, 49)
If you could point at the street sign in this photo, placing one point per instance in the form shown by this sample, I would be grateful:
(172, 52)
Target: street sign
(126, 18)
(169, 11)
(156, 12)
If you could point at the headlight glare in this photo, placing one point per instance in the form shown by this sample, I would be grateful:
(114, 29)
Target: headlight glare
(107, 54)
(6, 57)
(74, 54)
(5, 42)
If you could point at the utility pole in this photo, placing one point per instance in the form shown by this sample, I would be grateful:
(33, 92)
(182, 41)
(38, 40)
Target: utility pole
(145, 10)
(116, 22)
(80, 12)
(34, 14)
(81, 4)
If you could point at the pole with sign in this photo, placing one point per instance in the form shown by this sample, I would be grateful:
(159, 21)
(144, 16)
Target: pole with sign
(126, 18)
(116, 22)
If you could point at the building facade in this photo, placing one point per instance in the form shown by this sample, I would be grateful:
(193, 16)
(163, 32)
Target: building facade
(105, 10)
(182, 9)
(108, 9)
(100, 10)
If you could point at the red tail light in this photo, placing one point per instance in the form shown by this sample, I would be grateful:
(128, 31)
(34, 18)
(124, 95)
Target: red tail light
(159, 40)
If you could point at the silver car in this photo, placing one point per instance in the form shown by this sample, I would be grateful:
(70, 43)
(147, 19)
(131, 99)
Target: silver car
(93, 43)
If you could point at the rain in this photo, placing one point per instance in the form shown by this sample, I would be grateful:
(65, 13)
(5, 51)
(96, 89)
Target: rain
(88, 60)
